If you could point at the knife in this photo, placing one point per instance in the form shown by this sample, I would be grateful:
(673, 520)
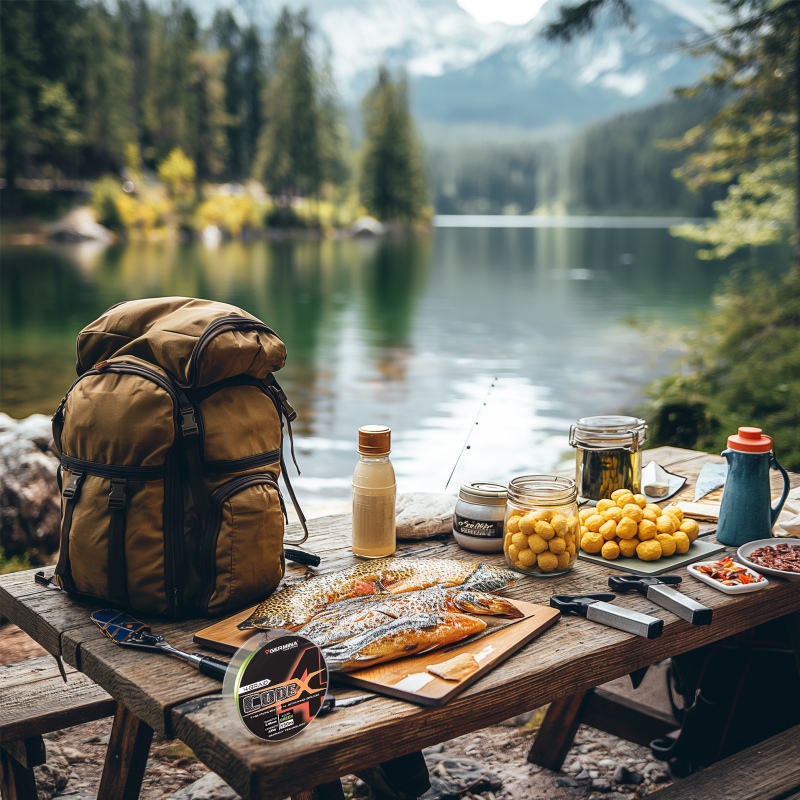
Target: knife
(597, 608)
(659, 591)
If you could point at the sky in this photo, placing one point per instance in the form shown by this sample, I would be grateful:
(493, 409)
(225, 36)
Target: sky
(511, 12)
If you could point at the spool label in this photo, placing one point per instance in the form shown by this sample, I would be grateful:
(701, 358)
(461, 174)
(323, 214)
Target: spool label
(281, 687)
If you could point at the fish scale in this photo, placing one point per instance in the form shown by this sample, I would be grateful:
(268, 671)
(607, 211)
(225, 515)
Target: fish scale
(342, 620)
(295, 605)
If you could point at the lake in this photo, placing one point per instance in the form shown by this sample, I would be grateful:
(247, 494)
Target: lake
(483, 343)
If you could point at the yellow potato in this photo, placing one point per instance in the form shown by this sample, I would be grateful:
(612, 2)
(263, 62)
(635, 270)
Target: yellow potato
(615, 513)
(547, 562)
(647, 530)
(627, 528)
(605, 504)
(682, 542)
(557, 545)
(545, 530)
(592, 542)
(569, 537)
(564, 560)
(628, 547)
(573, 524)
(543, 514)
(594, 522)
(665, 524)
(513, 552)
(527, 524)
(560, 524)
(625, 499)
(536, 543)
(520, 540)
(617, 493)
(527, 558)
(608, 530)
(690, 528)
(668, 544)
(655, 508)
(571, 549)
(678, 512)
(648, 551)
(649, 515)
(610, 551)
(586, 512)
(632, 511)
(513, 523)
(640, 500)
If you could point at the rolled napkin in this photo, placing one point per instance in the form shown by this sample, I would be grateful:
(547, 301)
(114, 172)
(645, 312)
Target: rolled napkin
(788, 523)
(421, 515)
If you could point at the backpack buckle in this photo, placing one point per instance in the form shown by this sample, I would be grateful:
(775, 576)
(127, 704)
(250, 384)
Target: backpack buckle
(189, 425)
(74, 483)
(116, 498)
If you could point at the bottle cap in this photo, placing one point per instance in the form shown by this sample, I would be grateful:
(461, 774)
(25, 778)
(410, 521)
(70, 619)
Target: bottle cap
(374, 440)
(750, 440)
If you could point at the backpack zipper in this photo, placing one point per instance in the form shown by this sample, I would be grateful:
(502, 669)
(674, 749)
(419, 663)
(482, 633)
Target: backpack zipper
(111, 471)
(230, 323)
(214, 523)
(248, 462)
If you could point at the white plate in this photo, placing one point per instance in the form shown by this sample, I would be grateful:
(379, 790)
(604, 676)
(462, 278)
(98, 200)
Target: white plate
(742, 588)
(744, 551)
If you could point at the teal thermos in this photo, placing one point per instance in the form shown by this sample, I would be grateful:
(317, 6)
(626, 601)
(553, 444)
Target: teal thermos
(746, 513)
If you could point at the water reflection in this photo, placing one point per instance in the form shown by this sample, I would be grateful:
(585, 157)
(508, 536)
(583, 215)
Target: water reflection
(519, 330)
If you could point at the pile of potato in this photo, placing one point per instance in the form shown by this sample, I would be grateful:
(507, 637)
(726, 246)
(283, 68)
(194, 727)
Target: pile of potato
(627, 525)
(542, 540)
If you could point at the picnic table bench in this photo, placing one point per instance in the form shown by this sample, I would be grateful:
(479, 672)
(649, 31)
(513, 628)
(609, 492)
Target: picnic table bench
(573, 657)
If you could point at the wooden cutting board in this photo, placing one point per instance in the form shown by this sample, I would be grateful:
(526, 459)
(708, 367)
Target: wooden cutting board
(490, 648)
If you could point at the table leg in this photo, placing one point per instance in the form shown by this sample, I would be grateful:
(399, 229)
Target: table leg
(557, 731)
(126, 757)
(326, 791)
(16, 781)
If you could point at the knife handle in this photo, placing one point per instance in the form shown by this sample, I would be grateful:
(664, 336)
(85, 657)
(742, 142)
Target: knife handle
(624, 619)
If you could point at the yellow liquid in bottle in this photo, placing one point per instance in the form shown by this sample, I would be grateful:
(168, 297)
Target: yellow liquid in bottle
(374, 496)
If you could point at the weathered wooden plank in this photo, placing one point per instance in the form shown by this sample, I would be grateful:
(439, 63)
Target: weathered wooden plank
(769, 770)
(33, 707)
(126, 757)
(558, 729)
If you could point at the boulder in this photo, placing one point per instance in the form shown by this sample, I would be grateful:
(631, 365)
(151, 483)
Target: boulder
(79, 226)
(30, 507)
(209, 787)
(421, 515)
(452, 778)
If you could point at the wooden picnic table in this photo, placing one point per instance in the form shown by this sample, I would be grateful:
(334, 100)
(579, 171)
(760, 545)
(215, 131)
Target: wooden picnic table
(156, 693)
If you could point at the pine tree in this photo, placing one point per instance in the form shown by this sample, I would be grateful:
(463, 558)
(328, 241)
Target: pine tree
(290, 158)
(392, 181)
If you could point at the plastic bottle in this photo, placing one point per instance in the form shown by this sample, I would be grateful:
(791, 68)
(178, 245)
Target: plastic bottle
(374, 494)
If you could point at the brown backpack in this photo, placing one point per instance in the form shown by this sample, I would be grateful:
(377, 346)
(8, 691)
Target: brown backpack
(171, 447)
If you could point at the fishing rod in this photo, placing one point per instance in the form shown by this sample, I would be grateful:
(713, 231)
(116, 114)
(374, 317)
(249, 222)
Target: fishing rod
(466, 445)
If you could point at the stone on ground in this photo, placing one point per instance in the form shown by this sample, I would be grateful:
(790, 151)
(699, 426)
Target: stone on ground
(454, 777)
(209, 787)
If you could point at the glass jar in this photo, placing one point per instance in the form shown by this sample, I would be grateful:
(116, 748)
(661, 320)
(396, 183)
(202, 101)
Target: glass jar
(608, 455)
(541, 525)
(479, 516)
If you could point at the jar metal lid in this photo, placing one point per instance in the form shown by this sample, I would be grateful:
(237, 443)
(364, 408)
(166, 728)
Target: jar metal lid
(483, 493)
(543, 490)
(606, 432)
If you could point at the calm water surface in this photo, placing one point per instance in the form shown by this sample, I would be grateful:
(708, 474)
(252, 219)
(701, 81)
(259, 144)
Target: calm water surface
(497, 338)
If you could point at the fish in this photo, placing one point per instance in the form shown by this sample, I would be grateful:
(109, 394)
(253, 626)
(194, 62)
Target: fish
(399, 638)
(293, 606)
(339, 621)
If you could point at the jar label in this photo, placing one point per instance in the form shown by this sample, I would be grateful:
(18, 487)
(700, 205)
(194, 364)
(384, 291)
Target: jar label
(476, 527)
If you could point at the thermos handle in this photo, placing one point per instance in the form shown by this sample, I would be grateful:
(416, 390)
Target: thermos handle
(776, 509)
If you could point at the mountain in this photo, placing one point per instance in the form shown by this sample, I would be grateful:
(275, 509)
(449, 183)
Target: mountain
(494, 76)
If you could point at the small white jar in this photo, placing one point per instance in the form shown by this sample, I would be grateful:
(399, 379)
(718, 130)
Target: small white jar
(479, 515)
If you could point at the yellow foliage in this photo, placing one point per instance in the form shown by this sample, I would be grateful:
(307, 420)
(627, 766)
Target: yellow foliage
(231, 213)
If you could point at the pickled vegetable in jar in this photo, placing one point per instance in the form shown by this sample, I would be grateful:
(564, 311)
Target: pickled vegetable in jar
(540, 533)
(608, 455)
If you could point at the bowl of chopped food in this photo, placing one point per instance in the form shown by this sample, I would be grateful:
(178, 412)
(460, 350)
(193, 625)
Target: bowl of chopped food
(779, 557)
(728, 576)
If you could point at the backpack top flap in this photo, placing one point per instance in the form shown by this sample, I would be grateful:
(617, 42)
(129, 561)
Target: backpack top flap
(197, 341)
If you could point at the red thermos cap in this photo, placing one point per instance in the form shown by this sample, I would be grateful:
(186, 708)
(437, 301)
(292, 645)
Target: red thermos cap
(750, 440)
